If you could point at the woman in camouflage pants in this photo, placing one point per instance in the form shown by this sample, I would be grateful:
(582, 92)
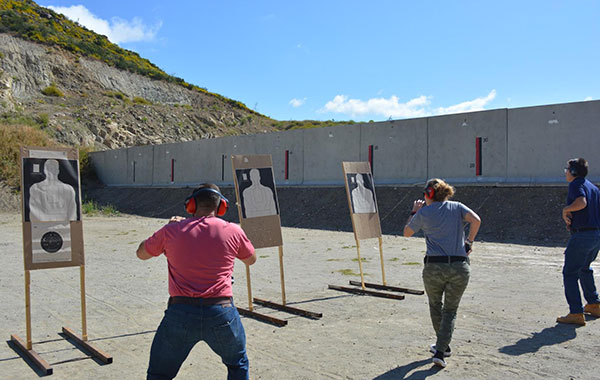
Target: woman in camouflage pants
(446, 272)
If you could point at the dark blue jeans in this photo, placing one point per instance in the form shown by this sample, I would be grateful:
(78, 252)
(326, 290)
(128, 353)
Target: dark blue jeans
(185, 325)
(582, 249)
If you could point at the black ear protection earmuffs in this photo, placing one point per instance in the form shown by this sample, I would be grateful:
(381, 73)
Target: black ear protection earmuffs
(574, 169)
(190, 202)
(429, 192)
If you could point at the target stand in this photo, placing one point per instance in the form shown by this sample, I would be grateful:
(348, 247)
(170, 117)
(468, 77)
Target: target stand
(52, 234)
(258, 210)
(362, 203)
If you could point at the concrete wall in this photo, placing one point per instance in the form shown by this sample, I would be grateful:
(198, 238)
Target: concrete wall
(517, 146)
(111, 166)
(399, 150)
(324, 151)
(452, 146)
(140, 165)
(276, 144)
(542, 139)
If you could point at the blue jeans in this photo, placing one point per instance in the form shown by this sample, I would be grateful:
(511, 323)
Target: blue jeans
(582, 250)
(185, 325)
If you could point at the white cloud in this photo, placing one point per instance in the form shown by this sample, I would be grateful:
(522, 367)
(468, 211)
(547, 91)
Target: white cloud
(297, 102)
(117, 29)
(380, 106)
(392, 107)
(588, 99)
(477, 104)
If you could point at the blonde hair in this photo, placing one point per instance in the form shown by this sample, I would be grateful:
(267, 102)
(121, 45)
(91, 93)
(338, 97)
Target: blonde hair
(442, 190)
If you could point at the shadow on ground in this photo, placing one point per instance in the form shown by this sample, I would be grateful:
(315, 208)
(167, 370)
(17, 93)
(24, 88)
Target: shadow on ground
(406, 371)
(518, 215)
(547, 337)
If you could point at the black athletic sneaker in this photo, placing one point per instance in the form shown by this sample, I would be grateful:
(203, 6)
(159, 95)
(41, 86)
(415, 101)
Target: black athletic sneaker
(438, 359)
(447, 353)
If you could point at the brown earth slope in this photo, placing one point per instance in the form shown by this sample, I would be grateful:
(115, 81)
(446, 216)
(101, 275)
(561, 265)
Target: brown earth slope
(99, 105)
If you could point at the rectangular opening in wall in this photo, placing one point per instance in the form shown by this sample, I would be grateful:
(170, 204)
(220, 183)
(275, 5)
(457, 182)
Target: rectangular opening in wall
(172, 170)
(371, 157)
(478, 168)
(134, 171)
(222, 167)
(287, 164)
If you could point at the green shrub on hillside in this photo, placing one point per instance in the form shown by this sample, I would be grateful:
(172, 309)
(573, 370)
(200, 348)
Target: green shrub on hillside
(140, 100)
(52, 90)
(86, 169)
(17, 118)
(304, 124)
(12, 137)
(117, 95)
(43, 119)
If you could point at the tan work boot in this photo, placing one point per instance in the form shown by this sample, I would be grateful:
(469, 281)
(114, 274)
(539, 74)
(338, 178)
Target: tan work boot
(574, 319)
(592, 309)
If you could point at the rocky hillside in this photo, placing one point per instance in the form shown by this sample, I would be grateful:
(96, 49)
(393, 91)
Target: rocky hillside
(83, 101)
(79, 89)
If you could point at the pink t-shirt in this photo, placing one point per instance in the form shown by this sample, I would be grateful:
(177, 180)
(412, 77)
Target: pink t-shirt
(200, 255)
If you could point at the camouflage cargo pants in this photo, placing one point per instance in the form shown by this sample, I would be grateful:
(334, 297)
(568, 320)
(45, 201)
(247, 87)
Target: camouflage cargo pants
(448, 280)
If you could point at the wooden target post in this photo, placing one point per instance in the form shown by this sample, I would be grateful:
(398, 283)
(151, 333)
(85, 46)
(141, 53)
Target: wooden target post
(258, 210)
(52, 232)
(362, 203)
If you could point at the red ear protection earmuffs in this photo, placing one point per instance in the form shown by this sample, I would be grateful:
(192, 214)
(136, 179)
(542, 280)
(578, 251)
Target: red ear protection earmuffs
(190, 202)
(429, 192)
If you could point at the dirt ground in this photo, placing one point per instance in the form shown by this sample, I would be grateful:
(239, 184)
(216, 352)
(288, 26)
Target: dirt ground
(505, 329)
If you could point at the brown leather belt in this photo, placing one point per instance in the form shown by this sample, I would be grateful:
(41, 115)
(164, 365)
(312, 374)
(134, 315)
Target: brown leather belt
(200, 301)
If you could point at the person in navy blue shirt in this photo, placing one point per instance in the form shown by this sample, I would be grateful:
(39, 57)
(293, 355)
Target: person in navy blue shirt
(582, 217)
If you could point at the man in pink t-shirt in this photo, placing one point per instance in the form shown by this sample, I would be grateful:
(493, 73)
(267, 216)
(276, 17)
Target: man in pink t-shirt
(200, 252)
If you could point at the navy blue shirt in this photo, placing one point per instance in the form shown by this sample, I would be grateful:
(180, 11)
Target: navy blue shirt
(590, 215)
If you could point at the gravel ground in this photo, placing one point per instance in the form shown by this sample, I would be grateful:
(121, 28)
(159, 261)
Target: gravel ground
(506, 324)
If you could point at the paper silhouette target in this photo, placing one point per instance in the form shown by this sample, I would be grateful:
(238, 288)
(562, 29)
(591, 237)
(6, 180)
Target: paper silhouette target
(362, 202)
(362, 195)
(257, 192)
(257, 203)
(51, 208)
(50, 190)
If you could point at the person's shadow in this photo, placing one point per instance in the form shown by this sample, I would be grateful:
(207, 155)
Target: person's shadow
(400, 373)
(549, 336)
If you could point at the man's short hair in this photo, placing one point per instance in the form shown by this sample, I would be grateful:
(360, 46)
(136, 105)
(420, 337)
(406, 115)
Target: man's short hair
(207, 200)
(578, 167)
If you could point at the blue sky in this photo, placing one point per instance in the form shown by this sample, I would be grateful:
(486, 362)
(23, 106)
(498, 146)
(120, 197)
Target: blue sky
(363, 60)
